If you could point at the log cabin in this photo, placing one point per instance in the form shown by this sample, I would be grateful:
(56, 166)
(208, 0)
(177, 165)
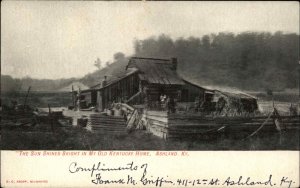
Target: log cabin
(142, 86)
(143, 83)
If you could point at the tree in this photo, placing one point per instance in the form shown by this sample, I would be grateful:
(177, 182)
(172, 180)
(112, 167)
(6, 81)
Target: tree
(119, 56)
(248, 60)
(98, 63)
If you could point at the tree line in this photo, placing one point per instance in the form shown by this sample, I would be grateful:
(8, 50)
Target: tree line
(259, 61)
(249, 60)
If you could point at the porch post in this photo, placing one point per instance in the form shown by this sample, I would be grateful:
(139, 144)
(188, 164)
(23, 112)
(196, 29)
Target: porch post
(99, 101)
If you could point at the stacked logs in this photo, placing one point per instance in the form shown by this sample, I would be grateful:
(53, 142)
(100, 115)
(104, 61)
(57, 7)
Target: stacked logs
(106, 124)
(183, 126)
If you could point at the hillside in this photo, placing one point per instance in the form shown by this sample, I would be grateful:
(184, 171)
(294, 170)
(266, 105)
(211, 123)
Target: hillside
(248, 61)
(10, 84)
(76, 85)
(113, 70)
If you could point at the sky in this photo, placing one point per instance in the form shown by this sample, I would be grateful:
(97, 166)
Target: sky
(62, 39)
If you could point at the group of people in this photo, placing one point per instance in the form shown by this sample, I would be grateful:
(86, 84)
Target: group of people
(167, 103)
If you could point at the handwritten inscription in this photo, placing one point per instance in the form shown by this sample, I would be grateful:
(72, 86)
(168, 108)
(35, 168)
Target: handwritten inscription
(138, 175)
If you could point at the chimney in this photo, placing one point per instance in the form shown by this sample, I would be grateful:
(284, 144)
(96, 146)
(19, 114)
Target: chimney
(174, 62)
(104, 82)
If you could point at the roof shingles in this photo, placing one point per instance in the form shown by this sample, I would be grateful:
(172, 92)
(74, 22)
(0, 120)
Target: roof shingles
(156, 71)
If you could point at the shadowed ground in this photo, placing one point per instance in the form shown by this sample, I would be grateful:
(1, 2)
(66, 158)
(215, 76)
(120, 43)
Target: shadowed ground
(41, 137)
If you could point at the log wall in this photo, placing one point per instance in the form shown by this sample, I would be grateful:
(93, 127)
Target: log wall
(117, 92)
(186, 126)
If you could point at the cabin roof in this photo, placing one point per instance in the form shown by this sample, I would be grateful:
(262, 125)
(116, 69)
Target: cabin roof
(240, 95)
(116, 78)
(196, 85)
(156, 71)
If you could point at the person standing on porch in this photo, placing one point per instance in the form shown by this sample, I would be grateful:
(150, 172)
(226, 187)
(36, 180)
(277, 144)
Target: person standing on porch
(171, 104)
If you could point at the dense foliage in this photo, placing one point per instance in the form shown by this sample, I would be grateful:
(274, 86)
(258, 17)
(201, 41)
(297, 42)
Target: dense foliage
(249, 60)
(10, 84)
(259, 61)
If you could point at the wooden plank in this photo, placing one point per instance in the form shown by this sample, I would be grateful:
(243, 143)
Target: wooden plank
(107, 117)
(107, 128)
(107, 124)
(157, 113)
(156, 123)
(107, 121)
(159, 119)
